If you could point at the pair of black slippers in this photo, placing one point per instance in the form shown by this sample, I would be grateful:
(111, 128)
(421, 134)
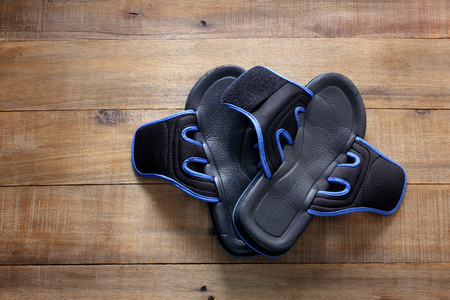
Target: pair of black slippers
(268, 154)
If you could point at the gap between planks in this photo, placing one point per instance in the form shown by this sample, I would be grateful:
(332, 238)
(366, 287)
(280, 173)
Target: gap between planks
(161, 224)
(346, 281)
(190, 19)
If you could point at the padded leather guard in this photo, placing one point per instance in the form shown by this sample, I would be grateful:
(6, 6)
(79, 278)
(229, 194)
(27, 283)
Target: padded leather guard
(206, 150)
(328, 170)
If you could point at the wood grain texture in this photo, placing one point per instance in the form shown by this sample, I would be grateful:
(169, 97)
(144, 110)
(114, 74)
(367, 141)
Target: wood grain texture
(78, 77)
(188, 19)
(390, 73)
(94, 147)
(371, 281)
(147, 224)
(83, 147)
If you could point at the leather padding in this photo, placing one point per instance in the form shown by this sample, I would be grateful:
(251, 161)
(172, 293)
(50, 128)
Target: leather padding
(159, 150)
(227, 139)
(376, 184)
(272, 213)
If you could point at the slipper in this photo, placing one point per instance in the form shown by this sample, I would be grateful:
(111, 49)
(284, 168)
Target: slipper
(205, 150)
(323, 169)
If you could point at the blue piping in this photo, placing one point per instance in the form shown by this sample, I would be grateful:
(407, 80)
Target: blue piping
(290, 81)
(354, 164)
(288, 138)
(172, 181)
(298, 109)
(338, 181)
(188, 139)
(195, 173)
(255, 122)
(184, 112)
(360, 209)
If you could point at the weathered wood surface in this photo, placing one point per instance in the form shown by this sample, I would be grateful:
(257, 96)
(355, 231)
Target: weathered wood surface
(76, 75)
(93, 147)
(347, 281)
(128, 224)
(188, 19)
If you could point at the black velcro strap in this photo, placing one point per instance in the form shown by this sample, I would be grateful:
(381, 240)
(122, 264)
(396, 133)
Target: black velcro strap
(369, 182)
(165, 149)
(273, 104)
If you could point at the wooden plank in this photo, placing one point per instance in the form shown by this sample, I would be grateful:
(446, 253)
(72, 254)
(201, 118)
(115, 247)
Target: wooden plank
(188, 19)
(390, 73)
(360, 281)
(93, 147)
(416, 139)
(104, 224)
(65, 147)
(159, 224)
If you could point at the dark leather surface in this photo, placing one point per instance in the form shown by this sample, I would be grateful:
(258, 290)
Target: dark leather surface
(376, 184)
(271, 214)
(227, 138)
(223, 145)
(273, 103)
(158, 148)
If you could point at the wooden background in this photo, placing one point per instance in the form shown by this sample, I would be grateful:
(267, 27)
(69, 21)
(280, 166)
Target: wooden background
(78, 77)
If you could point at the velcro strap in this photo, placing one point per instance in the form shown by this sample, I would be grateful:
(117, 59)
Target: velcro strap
(273, 104)
(368, 182)
(166, 149)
